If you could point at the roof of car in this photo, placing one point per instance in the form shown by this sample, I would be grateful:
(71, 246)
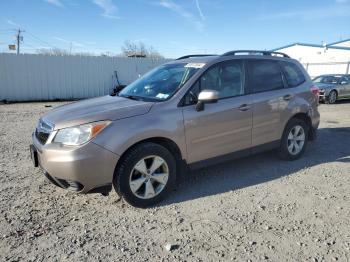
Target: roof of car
(334, 75)
(200, 59)
(205, 58)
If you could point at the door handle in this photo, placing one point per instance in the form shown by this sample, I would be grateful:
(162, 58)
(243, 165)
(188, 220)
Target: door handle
(287, 97)
(244, 107)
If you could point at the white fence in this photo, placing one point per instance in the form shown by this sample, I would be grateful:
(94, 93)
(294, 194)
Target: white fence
(28, 77)
(316, 69)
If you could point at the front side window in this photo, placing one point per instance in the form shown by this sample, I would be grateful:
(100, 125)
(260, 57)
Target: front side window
(161, 83)
(294, 76)
(345, 80)
(227, 78)
(264, 75)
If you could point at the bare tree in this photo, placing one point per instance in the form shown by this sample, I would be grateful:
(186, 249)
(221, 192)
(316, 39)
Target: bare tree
(133, 49)
(154, 53)
(61, 52)
(53, 51)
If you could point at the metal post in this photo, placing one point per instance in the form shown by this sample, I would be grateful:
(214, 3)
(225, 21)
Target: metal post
(347, 68)
(18, 41)
(19, 38)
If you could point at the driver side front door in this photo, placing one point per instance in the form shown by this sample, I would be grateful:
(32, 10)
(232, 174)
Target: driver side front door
(223, 127)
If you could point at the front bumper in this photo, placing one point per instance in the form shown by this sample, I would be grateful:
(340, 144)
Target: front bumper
(323, 96)
(82, 169)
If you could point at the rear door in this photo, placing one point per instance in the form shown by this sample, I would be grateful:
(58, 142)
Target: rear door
(272, 100)
(222, 127)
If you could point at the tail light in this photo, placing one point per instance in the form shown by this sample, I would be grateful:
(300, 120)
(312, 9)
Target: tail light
(316, 91)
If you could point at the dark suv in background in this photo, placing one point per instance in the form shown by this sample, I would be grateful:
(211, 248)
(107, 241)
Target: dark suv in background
(191, 112)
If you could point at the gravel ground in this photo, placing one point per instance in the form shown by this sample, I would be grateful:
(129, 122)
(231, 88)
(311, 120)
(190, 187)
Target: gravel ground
(254, 209)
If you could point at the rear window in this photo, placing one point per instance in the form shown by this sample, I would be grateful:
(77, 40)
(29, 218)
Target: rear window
(294, 76)
(264, 75)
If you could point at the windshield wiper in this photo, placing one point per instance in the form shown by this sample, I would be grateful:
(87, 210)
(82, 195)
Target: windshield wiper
(132, 97)
(141, 98)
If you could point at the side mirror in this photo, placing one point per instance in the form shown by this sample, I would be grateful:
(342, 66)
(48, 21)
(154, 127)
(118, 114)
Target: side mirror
(206, 97)
(343, 82)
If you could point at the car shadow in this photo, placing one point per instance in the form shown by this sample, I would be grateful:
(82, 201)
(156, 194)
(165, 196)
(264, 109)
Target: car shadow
(343, 101)
(338, 102)
(330, 146)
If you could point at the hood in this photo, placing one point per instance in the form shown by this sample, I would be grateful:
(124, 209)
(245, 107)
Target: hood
(324, 86)
(96, 109)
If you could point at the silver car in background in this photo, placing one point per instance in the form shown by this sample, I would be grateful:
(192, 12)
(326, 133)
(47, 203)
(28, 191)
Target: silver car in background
(333, 87)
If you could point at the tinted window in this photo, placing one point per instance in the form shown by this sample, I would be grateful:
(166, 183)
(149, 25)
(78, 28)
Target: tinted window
(264, 75)
(192, 95)
(227, 78)
(327, 79)
(345, 80)
(294, 76)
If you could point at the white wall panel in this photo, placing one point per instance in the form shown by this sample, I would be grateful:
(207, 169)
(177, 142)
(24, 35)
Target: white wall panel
(29, 77)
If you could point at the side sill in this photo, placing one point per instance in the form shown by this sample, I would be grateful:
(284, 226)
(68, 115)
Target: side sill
(235, 155)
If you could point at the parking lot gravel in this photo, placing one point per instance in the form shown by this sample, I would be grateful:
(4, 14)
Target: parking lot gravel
(254, 209)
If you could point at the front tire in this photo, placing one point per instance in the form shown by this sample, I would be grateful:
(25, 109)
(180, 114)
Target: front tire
(332, 97)
(145, 175)
(294, 139)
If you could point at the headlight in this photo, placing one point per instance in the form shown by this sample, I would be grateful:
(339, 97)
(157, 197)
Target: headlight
(77, 135)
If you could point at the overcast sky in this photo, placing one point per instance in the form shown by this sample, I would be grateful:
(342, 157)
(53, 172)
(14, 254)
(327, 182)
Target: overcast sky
(173, 27)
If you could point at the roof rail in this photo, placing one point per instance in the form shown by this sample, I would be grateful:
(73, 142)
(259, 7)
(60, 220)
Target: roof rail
(197, 55)
(252, 52)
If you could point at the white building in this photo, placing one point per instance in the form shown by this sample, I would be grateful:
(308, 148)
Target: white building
(331, 58)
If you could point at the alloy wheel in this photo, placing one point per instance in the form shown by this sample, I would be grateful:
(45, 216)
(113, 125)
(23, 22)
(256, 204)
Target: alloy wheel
(332, 97)
(296, 140)
(149, 177)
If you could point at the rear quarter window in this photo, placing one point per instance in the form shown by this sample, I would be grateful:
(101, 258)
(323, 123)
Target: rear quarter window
(294, 76)
(264, 75)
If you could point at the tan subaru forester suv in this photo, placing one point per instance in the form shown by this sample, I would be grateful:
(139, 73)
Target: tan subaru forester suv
(194, 111)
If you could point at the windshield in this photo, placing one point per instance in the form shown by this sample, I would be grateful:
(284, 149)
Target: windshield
(327, 79)
(160, 83)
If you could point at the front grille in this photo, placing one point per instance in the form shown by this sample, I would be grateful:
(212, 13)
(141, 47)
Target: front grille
(41, 136)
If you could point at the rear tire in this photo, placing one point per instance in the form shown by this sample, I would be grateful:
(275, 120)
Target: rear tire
(134, 180)
(294, 139)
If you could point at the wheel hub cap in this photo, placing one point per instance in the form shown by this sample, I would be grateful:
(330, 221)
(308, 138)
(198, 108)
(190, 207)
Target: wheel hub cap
(296, 140)
(149, 177)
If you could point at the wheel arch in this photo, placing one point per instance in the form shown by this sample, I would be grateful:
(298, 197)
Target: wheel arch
(163, 141)
(306, 118)
(334, 89)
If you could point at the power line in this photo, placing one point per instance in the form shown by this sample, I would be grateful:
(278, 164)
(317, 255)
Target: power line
(7, 30)
(19, 38)
(26, 44)
(3, 33)
(38, 39)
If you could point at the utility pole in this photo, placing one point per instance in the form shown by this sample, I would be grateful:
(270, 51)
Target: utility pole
(19, 38)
